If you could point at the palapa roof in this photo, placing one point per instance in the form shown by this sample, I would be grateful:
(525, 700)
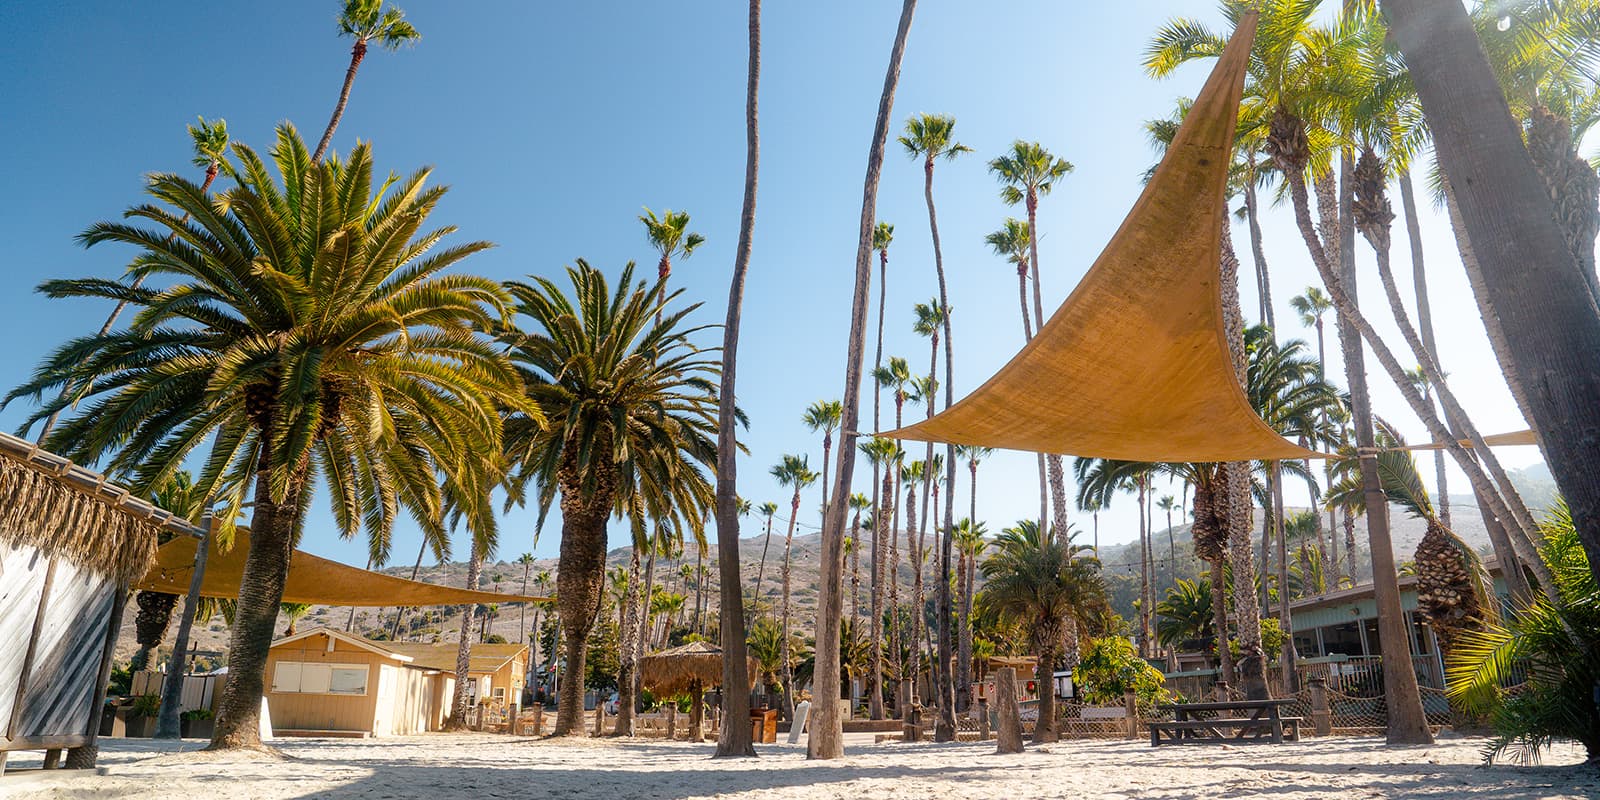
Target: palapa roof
(681, 669)
(1135, 364)
(314, 580)
(69, 512)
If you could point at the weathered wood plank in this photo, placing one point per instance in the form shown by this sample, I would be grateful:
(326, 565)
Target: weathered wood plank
(24, 568)
(66, 665)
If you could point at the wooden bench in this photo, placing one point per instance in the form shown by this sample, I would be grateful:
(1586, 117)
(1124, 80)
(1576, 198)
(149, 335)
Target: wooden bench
(1204, 723)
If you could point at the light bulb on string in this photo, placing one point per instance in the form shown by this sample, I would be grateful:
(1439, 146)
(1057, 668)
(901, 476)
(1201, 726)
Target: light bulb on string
(1504, 24)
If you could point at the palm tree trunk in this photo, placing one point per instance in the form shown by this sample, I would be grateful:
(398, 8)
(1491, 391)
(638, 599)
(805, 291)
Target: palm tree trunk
(1258, 253)
(266, 568)
(580, 571)
(762, 567)
(1406, 721)
(945, 729)
(647, 594)
(882, 533)
(1419, 281)
(1235, 496)
(734, 738)
(459, 706)
(855, 567)
(786, 698)
(1288, 657)
(630, 636)
(1144, 574)
(827, 737)
(913, 670)
(1044, 731)
(357, 53)
(1547, 316)
(964, 641)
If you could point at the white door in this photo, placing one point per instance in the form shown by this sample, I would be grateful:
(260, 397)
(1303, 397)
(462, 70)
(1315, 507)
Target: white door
(383, 715)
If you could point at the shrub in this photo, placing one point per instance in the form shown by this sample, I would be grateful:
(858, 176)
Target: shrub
(147, 705)
(196, 713)
(1549, 647)
(1109, 668)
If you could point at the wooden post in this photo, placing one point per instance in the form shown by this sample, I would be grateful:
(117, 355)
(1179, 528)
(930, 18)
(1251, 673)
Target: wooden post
(1321, 714)
(538, 718)
(672, 720)
(168, 723)
(697, 710)
(1005, 691)
(983, 719)
(599, 716)
(1130, 701)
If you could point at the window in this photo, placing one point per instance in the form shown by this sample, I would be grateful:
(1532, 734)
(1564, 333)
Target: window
(297, 677)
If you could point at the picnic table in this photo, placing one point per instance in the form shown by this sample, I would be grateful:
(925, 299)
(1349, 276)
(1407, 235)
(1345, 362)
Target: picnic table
(1226, 721)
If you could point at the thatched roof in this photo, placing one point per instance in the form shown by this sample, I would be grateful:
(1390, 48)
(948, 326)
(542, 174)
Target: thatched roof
(68, 512)
(680, 669)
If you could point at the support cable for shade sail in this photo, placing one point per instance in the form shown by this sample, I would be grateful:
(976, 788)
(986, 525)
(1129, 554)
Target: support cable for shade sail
(1135, 364)
(312, 579)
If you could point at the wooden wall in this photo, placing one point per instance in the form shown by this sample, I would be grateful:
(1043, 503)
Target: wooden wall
(324, 712)
(58, 690)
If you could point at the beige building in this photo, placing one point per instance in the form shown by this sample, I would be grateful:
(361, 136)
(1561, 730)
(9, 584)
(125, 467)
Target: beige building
(326, 681)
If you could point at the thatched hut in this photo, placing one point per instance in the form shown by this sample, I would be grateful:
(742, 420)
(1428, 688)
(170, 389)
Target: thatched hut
(70, 544)
(687, 669)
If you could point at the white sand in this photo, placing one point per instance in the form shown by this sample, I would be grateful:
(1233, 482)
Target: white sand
(486, 766)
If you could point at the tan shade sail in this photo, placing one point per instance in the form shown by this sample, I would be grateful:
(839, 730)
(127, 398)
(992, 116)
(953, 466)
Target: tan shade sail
(314, 580)
(1135, 364)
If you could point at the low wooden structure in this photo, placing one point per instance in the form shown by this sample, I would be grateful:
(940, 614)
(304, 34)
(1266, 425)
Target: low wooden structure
(1226, 722)
(688, 669)
(325, 682)
(71, 542)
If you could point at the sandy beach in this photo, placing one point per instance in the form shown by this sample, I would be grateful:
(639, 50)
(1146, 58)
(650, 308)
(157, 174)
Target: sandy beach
(485, 766)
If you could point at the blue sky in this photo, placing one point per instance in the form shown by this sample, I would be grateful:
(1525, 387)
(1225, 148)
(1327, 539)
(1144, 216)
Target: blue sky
(555, 123)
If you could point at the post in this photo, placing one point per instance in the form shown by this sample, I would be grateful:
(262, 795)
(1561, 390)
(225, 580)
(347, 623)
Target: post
(599, 716)
(538, 718)
(1130, 702)
(983, 719)
(672, 721)
(1321, 714)
(168, 725)
(1005, 691)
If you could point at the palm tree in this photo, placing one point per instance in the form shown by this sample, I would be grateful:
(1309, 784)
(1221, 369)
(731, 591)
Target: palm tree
(970, 544)
(793, 471)
(767, 510)
(526, 560)
(630, 409)
(1312, 306)
(365, 21)
(1167, 503)
(823, 415)
(355, 326)
(734, 740)
(460, 704)
(669, 235)
(882, 236)
(858, 503)
(1038, 581)
(884, 455)
(178, 495)
(931, 137)
(827, 738)
(1027, 173)
(973, 454)
(1186, 615)
(293, 612)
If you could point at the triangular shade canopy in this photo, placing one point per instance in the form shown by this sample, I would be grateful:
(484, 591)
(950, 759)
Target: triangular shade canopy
(311, 579)
(1135, 364)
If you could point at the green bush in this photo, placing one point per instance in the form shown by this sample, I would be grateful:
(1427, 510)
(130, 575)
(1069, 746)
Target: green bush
(1109, 668)
(147, 705)
(196, 713)
(1549, 647)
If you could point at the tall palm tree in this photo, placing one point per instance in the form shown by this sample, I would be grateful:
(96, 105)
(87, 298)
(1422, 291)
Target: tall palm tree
(884, 455)
(823, 415)
(460, 703)
(1038, 581)
(669, 235)
(882, 237)
(766, 510)
(931, 137)
(734, 740)
(366, 21)
(970, 544)
(630, 405)
(526, 560)
(270, 332)
(827, 738)
(210, 144)
(858, 503)
(912, 474)
(1026, 173)
(794, 472)
(973, 454)
(1167, 503)
(1312, 306)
